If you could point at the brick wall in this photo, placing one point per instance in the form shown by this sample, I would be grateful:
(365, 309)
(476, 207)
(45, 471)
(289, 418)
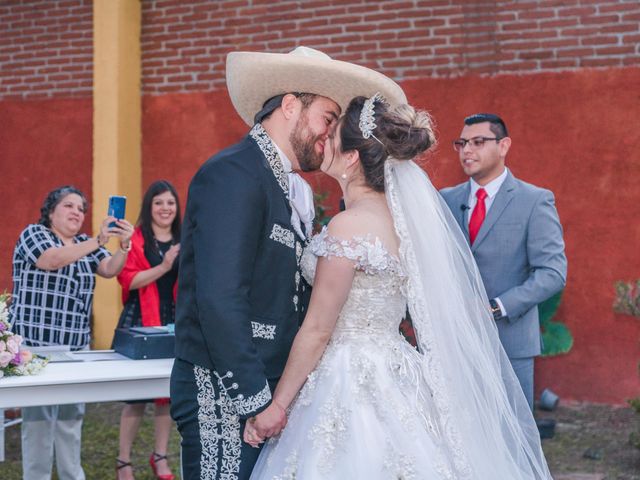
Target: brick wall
(46, 45)
(184, 42)
(46, 48)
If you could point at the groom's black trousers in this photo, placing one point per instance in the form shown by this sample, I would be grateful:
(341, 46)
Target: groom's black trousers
(211, 431)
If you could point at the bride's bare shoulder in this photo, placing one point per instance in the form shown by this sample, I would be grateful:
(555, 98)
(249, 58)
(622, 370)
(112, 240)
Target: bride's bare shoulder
(354, 223)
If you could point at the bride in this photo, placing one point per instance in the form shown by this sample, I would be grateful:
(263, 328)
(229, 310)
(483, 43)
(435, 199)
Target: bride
(362, 402)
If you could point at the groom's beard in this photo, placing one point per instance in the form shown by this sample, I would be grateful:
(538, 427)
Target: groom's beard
(303, 144)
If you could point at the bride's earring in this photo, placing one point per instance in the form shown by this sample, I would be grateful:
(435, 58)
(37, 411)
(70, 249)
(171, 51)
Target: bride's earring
(343, 176)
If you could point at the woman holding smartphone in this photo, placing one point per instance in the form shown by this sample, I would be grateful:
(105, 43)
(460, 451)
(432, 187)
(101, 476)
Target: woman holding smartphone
(54, 269)
(148, 282)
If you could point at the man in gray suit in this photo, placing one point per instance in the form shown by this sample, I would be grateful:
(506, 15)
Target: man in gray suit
(515, 236)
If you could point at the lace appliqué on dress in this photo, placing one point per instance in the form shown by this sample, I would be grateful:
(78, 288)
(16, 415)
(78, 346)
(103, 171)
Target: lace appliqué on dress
(368, 252)
(330, 433)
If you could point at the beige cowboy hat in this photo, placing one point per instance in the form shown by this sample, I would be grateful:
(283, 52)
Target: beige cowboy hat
(255, 77)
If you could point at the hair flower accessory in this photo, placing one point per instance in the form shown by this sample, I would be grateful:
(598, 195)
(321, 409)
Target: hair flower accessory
(367, 122)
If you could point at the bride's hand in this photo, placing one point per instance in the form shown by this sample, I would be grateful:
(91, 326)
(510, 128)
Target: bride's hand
(251, 435)
(270, 421)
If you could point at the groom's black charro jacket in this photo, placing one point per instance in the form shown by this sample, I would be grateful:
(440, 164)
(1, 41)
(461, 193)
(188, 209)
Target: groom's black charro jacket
(241, 297)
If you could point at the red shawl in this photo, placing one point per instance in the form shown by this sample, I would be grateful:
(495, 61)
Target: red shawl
(149, 296)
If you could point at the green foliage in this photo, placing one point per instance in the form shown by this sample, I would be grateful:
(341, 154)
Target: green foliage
(627, 299)
(319, 199)
(556, 336)
(634, 437)
(627, 302)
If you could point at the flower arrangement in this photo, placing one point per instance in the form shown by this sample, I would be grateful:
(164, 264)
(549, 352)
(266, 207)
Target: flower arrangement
(15, 360)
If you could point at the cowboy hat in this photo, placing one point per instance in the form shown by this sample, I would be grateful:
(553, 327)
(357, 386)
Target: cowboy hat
(255, 77)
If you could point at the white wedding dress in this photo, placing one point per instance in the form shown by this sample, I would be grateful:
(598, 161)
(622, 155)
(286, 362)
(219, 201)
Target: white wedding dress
(376, 408)
(360, 415)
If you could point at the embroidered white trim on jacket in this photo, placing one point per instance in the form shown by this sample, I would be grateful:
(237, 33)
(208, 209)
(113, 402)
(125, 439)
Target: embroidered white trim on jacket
(215, 428)
(261, 137)
(282, 235)
(262, 330)
(248, 405)
(231, 440)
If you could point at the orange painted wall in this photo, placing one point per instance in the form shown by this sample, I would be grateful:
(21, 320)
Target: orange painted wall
(575, 133)
(43, 144)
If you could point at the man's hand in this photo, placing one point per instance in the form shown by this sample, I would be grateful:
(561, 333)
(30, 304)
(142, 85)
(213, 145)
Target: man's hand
(270, 421)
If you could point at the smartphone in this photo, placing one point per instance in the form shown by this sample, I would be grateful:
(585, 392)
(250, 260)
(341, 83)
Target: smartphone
(117, 205)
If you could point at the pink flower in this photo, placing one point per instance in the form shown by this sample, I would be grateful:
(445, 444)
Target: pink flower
(5, 358)
(3, 346)
(3, 327)
(26, 356)
(17, 360)
(13, 343)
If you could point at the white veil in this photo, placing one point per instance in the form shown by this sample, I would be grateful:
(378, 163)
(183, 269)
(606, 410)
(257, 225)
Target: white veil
(483, 417)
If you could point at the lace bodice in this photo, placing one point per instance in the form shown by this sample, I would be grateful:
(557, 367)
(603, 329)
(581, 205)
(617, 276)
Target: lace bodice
(377, 302)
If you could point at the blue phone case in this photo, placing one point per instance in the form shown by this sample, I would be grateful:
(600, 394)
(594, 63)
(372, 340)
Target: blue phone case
(117, 205)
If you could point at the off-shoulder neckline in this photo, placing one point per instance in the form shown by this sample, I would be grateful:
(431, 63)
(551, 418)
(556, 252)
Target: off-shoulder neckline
(369, 238)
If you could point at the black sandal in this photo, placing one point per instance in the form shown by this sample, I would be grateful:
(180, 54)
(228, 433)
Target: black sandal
(120, 464)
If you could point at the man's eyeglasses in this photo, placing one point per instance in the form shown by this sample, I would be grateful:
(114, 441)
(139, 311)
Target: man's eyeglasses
(475, 143)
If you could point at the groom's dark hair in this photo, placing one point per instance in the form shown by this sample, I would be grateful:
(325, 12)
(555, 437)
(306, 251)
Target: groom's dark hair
(274, 102)
(496, 124)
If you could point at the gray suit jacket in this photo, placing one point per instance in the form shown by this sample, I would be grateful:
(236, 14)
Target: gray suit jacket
(520, 253)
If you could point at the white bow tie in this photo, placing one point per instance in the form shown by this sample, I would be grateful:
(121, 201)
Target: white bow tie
(302, 209)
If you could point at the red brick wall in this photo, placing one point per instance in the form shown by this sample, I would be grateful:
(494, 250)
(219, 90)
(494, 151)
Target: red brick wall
(46, 48)
(46, 45)
(184, 42)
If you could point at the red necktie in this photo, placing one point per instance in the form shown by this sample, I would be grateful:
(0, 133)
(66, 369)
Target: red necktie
(478, 214)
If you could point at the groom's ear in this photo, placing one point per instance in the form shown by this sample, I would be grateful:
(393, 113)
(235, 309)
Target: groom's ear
(290, 105)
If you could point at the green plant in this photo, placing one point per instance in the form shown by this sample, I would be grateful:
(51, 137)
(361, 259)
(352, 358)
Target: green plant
(319, 199)
(627, 299)
(627, 302)
(556, 336)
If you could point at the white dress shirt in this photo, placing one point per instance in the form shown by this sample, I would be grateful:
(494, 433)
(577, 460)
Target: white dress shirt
(491, 188)
(300, 197)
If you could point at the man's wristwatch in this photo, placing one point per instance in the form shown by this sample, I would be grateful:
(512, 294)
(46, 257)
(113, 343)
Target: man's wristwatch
(495, 309)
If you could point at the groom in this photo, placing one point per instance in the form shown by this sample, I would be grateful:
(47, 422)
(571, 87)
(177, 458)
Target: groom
(241, 296)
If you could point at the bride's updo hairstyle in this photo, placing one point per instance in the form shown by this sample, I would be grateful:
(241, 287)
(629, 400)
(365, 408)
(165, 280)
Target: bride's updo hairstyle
(402, 133)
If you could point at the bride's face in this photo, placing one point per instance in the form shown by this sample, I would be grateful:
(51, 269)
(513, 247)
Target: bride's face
(333, 164)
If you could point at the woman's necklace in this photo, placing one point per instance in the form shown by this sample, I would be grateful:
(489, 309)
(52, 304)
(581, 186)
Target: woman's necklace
(158, 249)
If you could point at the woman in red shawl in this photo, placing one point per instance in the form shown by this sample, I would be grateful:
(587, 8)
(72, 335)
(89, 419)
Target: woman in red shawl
(148, 281)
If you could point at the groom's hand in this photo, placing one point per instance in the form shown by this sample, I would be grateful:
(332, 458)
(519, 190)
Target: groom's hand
(270, 421)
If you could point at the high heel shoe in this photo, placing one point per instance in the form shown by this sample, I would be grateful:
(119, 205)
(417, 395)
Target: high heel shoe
(120, 464)
(155, 458)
